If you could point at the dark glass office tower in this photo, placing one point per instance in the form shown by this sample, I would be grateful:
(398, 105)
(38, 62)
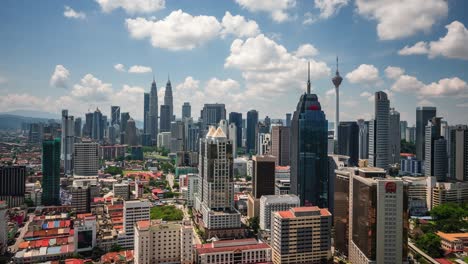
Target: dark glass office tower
(236, 118)
(252, 121)
(348, 141)
(423, 114)
(309, 158)
(51, 172)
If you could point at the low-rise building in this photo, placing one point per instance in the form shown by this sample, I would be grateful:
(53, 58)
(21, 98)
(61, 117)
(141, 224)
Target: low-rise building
(241, 251)
(161, 242)
(455, 242)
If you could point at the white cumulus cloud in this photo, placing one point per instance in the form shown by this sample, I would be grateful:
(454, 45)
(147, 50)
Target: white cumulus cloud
(452, 45)
(70, 13)
(365, 74)
(329, 8)
(306, 50)
(269, 69)
(237, 25)
(60, 77)
(402, 18)
(119, 67)
(91, 88)
(278, 9)
(139, 69)
(394, 72)
(178, 31)
(132, 6)
(445, 87)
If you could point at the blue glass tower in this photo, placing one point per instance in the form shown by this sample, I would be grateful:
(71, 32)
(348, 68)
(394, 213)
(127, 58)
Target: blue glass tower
(309, 158)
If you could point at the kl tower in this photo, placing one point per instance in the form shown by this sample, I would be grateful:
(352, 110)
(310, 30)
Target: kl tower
(337, 81)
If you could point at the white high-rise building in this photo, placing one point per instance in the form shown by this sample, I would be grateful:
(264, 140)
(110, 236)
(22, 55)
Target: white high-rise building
(86, 159)
(68, 139)
(134, 211)
(164, 140)
(215, 197)
(232, 135)
(264, 143)
(161, 242)
(273, 203)
(192, 188)
(379, 142)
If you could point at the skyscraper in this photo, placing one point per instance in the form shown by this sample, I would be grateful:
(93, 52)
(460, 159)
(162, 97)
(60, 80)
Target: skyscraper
(177, 136)
(165, 119)
(51, 172)
(363, 139)
(86, 159)
(115, 115)
(379, 145)
(146, 108)
(123, 126)
(232, 135)
(215, 198)
(394, 136)
(336, 82)
(88, 126)
(153, 113)
(309, 158)
(211, 114)
(68, 139)
(348, 141)
(236, 118)
(78, 127)
(252, 121)
(97, 132)
(186, 110)
(131, 133)
(280, 139)
(459, 152)
(423, 114)
(168, 99)
(435, 163)
(403, 126)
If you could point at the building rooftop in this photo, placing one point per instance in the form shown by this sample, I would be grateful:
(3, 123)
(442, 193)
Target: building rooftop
(453, 236)
(304, 211)
(230, 246)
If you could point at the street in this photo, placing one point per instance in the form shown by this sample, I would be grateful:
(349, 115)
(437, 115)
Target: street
(19, 239)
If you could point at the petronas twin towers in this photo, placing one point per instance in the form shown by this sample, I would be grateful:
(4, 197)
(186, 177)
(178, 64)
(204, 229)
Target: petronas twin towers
(152, 111)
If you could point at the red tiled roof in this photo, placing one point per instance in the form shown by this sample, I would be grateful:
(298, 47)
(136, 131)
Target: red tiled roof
(443, 261)
(143, 224)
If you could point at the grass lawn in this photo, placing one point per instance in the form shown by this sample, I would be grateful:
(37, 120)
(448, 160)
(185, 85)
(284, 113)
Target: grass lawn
(166, 213)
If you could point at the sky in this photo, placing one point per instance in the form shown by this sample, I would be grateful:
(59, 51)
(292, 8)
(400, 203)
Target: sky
(247, 54)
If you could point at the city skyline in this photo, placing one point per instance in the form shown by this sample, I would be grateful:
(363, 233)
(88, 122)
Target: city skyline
(282, 37)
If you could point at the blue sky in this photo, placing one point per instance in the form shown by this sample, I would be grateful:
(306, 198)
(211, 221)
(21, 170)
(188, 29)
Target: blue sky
(63, 54)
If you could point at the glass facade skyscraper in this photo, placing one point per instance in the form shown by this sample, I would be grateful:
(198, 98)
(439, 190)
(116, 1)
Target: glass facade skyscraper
(309, 157)
(51, 172)
(252, 121)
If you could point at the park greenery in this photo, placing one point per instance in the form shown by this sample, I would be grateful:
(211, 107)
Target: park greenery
(112, 170)
(166, 213)
(447, 218)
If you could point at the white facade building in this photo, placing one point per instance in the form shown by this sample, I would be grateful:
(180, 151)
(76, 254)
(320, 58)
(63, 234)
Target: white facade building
(161, 242)
(274, 203)
(164, 140)
(134, 211)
